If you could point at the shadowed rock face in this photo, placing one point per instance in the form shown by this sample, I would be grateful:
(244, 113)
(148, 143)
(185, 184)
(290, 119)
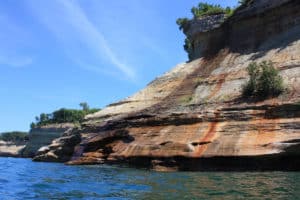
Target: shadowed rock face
(61, 149)
(43, 136)
(193, 117)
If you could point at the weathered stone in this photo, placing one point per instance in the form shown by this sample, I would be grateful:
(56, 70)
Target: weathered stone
(60, 150)
(204, 24)
(193, 117)
(43, 136)
(11, 149)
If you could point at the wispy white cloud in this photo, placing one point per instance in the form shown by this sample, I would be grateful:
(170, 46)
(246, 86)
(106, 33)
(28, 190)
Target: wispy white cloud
(136, 31)
(70, 24)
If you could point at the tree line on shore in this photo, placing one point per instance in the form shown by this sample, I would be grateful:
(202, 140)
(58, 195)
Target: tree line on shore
(63, 115)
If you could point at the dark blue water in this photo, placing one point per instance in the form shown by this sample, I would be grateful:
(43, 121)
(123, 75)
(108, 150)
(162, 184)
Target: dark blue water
(23, 179)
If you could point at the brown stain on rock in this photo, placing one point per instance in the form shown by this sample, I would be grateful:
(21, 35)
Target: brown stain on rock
(208, 136)
(188, 85)
(253, 129)
(268, 133)
(218, 85)
(264, 130)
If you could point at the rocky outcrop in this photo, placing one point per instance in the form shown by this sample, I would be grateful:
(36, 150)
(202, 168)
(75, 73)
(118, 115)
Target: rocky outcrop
(193, 117)
(98, 147)
(251, 26)
(203, 24)
(11, 149)
(43, 136)
(61, 149)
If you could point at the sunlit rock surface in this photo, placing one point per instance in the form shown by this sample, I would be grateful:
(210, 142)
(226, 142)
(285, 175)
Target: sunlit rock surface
(193, 117)
(11, 149)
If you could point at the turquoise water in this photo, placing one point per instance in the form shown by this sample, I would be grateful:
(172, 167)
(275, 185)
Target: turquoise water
(23, 179)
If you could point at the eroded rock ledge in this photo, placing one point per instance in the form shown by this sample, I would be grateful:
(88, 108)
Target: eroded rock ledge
(193, 117)
(43, 136)
(11, 149)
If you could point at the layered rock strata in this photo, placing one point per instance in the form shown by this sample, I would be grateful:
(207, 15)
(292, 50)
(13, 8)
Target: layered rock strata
(193, 117)
(10, 149)
(43, 136)
(61, 149)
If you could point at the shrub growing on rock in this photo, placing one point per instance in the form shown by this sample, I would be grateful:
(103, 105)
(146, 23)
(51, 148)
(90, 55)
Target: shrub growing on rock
(264, 81)
(182, 23)
(201, 10)
(204, 9)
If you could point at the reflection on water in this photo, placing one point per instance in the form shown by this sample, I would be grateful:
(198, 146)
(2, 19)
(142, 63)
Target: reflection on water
(23, 179)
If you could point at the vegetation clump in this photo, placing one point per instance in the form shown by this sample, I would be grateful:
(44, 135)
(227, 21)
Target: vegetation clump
(14, 136)
(182, 23)
(63, 115)
(202, 10)
(264, 81)
(205, 9)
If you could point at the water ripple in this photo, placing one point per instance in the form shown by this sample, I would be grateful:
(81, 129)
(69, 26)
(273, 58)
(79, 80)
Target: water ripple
(23, 179)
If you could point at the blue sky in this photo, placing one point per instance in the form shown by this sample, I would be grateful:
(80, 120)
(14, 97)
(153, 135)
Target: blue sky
(58, 53)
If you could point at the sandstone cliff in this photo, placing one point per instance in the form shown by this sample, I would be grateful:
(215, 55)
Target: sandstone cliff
(43, 136)
(61, 149)
(10, 149)
(193, 117)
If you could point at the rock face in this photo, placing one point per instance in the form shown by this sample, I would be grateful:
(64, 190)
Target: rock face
(61, 149)
(251, 29)
(9, 149)
(193, 117)
(43, 136)
(203, 24)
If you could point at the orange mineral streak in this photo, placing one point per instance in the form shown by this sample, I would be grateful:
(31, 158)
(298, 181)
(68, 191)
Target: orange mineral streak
(208, 137)
(218, 85)
(162, 141)
(264, 133)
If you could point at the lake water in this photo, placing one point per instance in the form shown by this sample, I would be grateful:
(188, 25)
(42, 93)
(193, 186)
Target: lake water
(23, 179)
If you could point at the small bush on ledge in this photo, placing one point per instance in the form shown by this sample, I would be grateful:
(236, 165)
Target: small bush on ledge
(264, 81)
(182, 23)
(204, 9)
